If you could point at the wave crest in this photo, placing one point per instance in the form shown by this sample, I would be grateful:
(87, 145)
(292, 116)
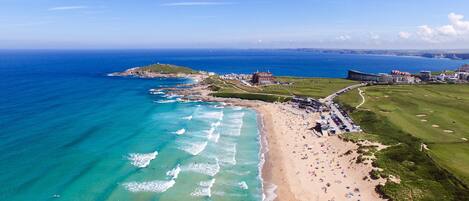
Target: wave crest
(142, 160)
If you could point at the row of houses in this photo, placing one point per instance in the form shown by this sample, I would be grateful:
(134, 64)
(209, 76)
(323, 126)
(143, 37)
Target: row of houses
(258, 78)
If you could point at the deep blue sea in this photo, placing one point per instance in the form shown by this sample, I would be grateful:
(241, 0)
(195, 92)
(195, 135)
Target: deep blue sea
(69, 132)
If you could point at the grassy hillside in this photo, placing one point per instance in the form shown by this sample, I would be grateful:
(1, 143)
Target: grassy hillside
(166, 69)
(311, 87)
(437, 115)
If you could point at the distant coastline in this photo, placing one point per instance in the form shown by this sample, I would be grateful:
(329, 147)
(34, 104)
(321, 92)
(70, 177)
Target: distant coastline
(437, 54)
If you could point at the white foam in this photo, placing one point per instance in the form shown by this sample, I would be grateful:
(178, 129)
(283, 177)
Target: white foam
(142, 160)
(243, 185)
(149, 186)
(216, 124)
(180, 131)
(156, 92)
(269, 192)
(172, 96)
(214, 137)
(173, 173)
(228, 154)
(193, 148)
(188, 118)
(203, 168)
(236, 108)
(236, 124)
(212, 115)
(166, 101)
(204, 189)
(210, 133)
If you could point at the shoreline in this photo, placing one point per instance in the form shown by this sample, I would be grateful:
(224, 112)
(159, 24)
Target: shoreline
(295, 164)
(287, 176)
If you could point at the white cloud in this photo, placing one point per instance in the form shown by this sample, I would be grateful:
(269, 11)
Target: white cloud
(67, 8)
(198, 3)
(458, 29)
(374, 36)
(404, 35)
(344, 38)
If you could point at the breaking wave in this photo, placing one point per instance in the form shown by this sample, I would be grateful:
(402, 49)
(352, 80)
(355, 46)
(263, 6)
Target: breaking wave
(174, 173)
(142, 160)
(188, 118)
(243, 185)
(228, 153)
(166, 101)
(203, 168)
(193, 148)
(212, 115)
(180, 131)
(204, 189)
(149, 186)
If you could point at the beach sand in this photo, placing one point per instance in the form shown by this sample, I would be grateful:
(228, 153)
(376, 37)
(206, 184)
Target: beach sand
(307, 168)
(302, 166)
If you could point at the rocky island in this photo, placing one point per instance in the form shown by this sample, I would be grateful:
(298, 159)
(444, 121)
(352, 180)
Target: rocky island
(162, 71)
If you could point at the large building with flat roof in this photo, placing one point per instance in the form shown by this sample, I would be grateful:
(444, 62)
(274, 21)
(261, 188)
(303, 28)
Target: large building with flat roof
(360, 76)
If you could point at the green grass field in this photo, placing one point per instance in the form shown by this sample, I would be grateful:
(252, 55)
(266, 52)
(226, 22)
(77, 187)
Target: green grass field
(310, 87)
(166, 69)
(437, 115)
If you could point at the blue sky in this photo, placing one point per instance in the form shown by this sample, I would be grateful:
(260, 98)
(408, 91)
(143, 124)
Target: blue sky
(415, 24)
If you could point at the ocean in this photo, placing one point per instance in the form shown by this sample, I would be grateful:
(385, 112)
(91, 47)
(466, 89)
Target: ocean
(69, 132)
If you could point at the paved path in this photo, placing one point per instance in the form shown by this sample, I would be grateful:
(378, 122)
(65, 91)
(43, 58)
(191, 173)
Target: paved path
(363, 98)
(331, 97)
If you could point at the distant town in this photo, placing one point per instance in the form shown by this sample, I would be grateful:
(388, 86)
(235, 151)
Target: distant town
(460, 75)
(333, 119)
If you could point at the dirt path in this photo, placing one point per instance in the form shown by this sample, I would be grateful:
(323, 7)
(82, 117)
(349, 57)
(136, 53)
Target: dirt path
(363, 98)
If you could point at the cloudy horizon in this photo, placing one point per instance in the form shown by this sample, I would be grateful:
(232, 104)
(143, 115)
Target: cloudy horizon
(337, 24)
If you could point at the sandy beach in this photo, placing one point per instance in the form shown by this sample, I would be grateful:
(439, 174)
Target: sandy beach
(305, 167)
(300, 166)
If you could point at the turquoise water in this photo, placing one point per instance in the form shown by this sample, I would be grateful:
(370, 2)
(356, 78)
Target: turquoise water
(69, 132)
(123, 143)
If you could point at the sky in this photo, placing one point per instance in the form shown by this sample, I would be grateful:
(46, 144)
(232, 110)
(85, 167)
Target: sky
(351, 24)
